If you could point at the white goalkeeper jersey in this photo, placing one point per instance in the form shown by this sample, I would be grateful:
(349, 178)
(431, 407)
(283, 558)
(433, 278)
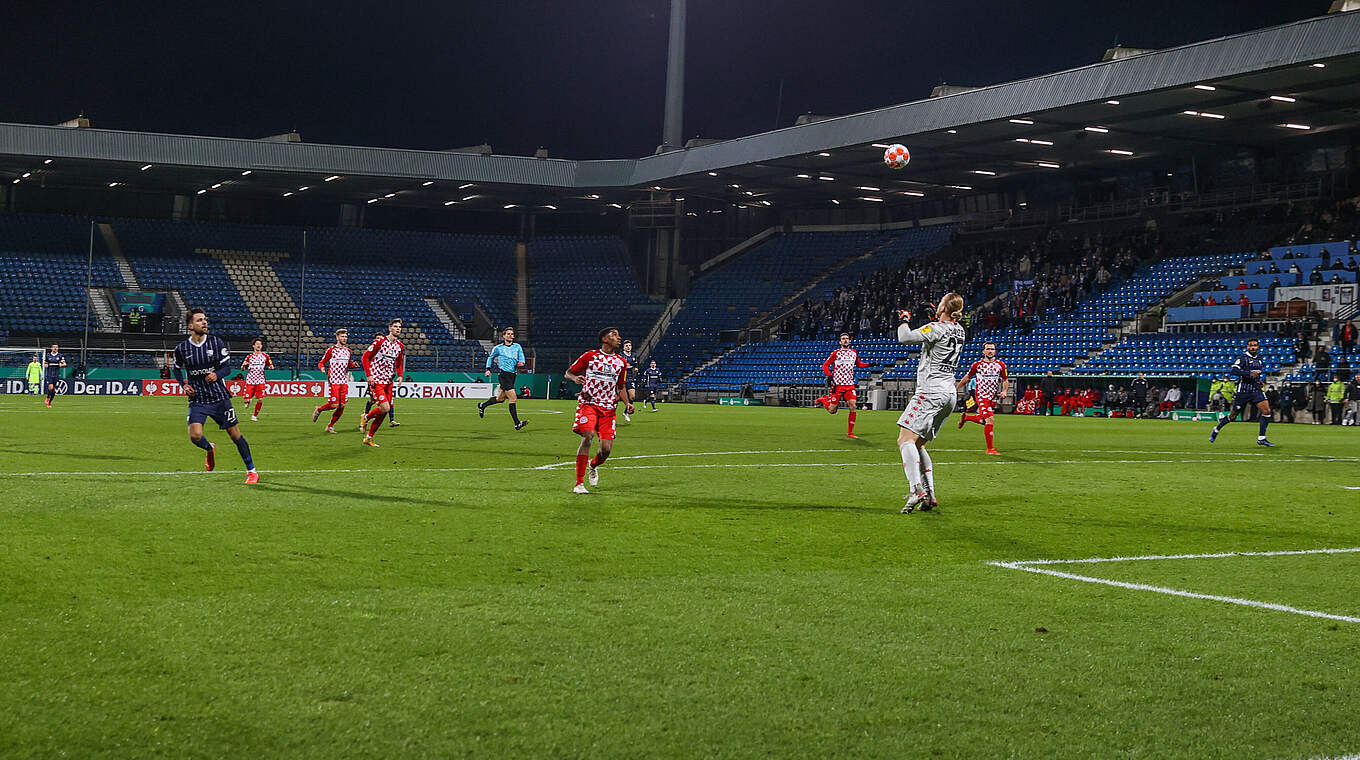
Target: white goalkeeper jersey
(941, 345)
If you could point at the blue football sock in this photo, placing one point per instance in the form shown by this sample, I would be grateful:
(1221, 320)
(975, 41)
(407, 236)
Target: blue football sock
(1265, 420)
(202, 443)
(392, 413)
(244, 448)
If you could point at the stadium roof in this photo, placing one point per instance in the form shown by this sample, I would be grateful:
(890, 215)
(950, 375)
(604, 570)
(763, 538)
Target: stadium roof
(1245, 91)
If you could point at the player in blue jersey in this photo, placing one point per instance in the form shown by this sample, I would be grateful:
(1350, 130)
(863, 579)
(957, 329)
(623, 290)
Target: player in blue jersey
(652, 381)
(633, 374)
(207, 361)
(53, 363)
(508, 358)
(1248, 370)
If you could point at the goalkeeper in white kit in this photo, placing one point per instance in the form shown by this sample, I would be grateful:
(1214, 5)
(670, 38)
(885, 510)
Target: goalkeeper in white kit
(941, 345)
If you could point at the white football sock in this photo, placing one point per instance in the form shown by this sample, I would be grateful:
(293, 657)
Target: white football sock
(911, 464)
(928, 471)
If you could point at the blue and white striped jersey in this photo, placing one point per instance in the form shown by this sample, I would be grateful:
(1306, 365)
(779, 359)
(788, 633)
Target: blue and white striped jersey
(199, 360)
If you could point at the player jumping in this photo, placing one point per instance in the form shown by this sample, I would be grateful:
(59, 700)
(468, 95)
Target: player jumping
(207, 361)
(1248, 370)
(336, 363)
(839, 369)
(992, 385)
(383, 363)
(603, 375)
(53, 363)
(254, 366)
(508, 356)
(936, 395)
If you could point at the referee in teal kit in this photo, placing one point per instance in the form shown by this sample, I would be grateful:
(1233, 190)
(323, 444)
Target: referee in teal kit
(508, 358)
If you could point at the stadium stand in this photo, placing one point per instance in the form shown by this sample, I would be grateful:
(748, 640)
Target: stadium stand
(44, 259)
(1190, 355)
(580, 285)
(758, 280)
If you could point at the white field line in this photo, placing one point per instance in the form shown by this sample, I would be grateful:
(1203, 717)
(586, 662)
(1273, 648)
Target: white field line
(1029, 566)
(1338, 757)
(711, 466)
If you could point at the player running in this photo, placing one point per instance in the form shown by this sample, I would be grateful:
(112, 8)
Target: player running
(652, 380)
(839, 369)
(336, 363)
(383, 364)
(508, 356)
(631, 365)
(603, 375)
(207, 361)
(254, 366)
(54, 361)
(368, 405)
(992, 385)
(1248, 370)
(936, 395)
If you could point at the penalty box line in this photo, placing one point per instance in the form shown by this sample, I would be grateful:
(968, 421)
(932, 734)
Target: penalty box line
(1039, 567)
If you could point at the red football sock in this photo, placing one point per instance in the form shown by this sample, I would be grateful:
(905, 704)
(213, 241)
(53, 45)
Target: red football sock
(850, 425)
(339, 410)
(972, 418)
(987, 431)
(374, 412)
(598, 460)
(373, 428)
(258, 404)
(581, 460)
(325, 406)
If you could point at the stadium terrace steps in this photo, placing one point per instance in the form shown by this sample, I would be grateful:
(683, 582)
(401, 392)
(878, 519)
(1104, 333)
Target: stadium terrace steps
(105, 313)
(116, 251)
(446, 318)
(523, 315)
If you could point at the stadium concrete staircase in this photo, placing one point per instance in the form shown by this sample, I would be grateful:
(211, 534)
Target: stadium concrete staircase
(106, 314)
(523, 317)
(771, 317)
(116, 251)
(451, 323)
(275, 310)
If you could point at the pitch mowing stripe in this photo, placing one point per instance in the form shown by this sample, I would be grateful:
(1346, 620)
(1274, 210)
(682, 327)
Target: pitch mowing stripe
(569, 463)
(1028, 566)
(711, 466)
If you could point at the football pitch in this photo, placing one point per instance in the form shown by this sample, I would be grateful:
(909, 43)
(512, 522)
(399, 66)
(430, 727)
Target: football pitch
(739, 584)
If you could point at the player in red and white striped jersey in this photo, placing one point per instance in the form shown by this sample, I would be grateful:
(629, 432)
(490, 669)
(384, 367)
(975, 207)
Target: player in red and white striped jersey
(839, 369)
(992, 385)
(336, 363)
(603, 375)
(254, 366)
(384, 362)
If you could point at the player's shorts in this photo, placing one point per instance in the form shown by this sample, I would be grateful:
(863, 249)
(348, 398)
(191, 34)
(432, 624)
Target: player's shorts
(338, 393)
(927, 413)
(844, 393)
(507, 380)
(381, 393)
(221, 412)
(593, 419)
(986, 407)
(1248, 396)
(253, 391)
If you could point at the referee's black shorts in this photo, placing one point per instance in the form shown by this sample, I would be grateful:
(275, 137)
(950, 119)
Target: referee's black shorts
(507, 381)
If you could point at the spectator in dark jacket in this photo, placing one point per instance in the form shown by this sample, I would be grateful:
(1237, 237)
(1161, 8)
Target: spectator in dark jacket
(1049, 387)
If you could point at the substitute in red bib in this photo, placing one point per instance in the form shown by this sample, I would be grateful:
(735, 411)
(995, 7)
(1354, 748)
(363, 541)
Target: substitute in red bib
(254, 366)
(337, 363)
(992, 385)
(839, 369)
(603, 376)
(384, 362)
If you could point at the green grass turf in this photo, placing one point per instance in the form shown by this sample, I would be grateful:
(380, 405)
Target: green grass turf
(440, 597)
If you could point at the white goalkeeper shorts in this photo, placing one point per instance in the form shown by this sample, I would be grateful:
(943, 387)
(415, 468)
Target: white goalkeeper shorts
(927, 413)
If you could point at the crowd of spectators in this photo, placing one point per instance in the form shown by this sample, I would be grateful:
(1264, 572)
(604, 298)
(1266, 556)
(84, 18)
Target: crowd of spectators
(1055, 271)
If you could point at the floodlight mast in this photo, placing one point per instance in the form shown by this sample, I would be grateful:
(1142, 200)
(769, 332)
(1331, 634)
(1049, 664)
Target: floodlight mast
(673, 128)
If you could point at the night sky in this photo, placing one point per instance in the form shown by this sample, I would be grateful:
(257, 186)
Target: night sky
(584, 78)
